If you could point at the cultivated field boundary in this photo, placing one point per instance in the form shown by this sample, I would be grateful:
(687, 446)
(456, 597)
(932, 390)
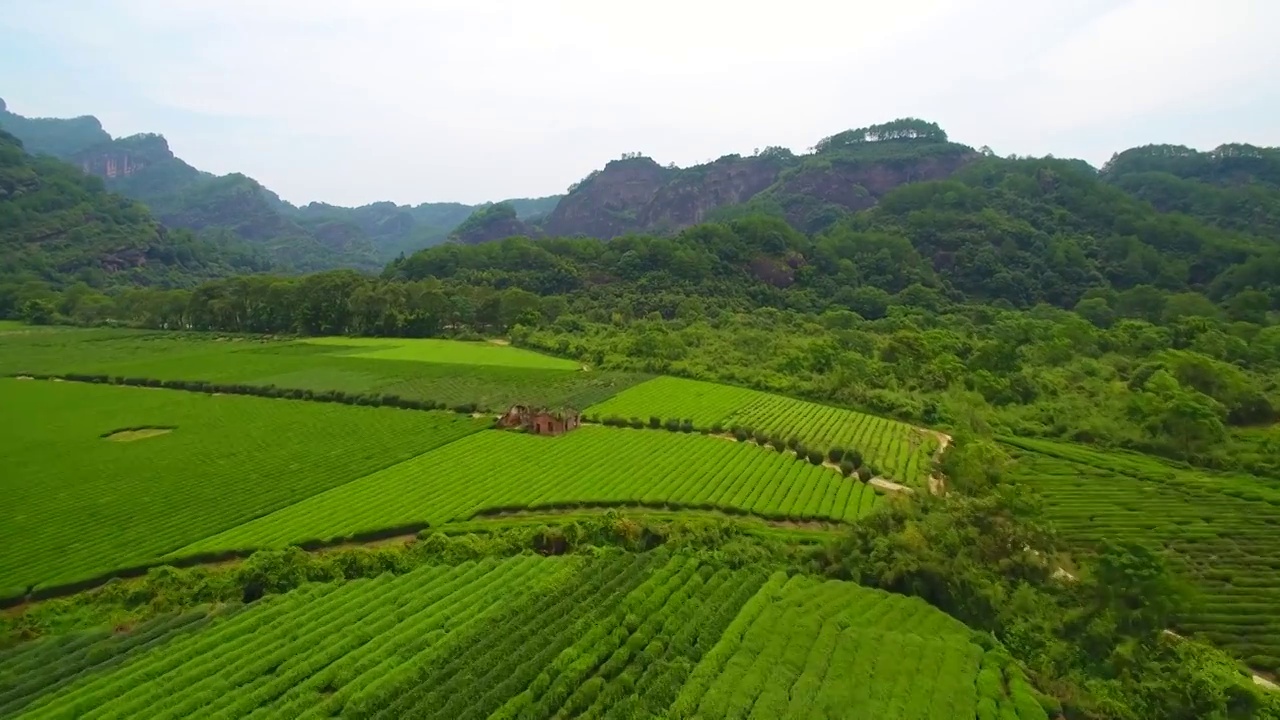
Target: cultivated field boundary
(37, 593)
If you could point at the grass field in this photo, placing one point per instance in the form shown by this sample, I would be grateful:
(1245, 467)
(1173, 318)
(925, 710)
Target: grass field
(78, 505)
(593, 465)
(445, 351)
(1220, 532)
(896, 449)
(615, 636)
(491, 376)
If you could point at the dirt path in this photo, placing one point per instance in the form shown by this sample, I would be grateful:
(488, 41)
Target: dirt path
(938, 483)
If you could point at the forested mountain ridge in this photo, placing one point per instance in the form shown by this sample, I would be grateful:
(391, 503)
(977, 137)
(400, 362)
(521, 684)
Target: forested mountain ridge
(844, 173)
(236, 207)
(59, 226)
(1234, 186)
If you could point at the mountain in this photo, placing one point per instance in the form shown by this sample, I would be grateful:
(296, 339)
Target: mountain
(59, 225)
(491, 222)
(236, 208)
(1234, 186)
(1010, 232)
(845, 173)
(402, 229)
(58, 137)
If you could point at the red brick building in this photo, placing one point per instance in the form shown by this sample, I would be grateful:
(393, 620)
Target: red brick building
(540, 421)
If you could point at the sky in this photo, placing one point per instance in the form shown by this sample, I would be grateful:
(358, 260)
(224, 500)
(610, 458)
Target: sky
(477, 100)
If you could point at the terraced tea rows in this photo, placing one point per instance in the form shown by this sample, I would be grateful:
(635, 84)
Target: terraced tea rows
(77, 505)
(895, 449)
(613, 636)
(801, 648)
(319, 645)
(593, 465)
(1221, 533)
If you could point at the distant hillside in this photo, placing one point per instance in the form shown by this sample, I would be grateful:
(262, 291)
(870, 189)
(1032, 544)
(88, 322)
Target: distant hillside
(59, 226)
(1235, 186)
(236, 207)
(845, 173)
(53, 136)
(1007, 231)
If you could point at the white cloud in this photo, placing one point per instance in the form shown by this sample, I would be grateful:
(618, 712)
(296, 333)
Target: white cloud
(478, 99)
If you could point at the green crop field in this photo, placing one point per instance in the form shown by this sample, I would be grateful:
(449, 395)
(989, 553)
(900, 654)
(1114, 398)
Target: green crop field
(896, 449)
(614, 636)
(446, 351)
(78, 504)
(492, 377)
(1221, 533)
(593, 465)
(804, 648)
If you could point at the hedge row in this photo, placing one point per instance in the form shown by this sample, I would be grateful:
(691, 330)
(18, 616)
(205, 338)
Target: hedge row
(267, 391)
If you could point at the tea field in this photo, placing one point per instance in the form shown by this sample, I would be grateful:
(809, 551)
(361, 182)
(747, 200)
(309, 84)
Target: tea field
(485, 375)
(79, 503)
(494, 470)
(897, 450)
(1220, 533)
(611, 636)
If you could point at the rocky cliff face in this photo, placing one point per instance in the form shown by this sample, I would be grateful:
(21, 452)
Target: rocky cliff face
(608, 202)
(124, 157)
(694, 192)
(638, 195)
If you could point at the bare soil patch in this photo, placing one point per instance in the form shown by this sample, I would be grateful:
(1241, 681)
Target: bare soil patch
(135, 434)
(24, 377)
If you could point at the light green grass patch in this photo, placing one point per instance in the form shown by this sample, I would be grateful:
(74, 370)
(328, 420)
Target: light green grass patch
(447, 351)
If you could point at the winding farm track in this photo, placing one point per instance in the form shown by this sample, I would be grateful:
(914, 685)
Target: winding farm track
(938, 483)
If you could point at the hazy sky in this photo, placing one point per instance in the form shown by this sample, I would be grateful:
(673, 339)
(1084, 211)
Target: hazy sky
(471, 100)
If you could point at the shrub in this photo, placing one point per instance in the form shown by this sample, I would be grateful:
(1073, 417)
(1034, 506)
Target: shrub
(686, 426)
(655, 422)
(854, 457)
(835, 454)
(637, 423)
(673, 425)
(740, 435)
(864, 474)
(717, 429)
(847, 468)
(794, 443)
(465, 408)
(815, 457)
